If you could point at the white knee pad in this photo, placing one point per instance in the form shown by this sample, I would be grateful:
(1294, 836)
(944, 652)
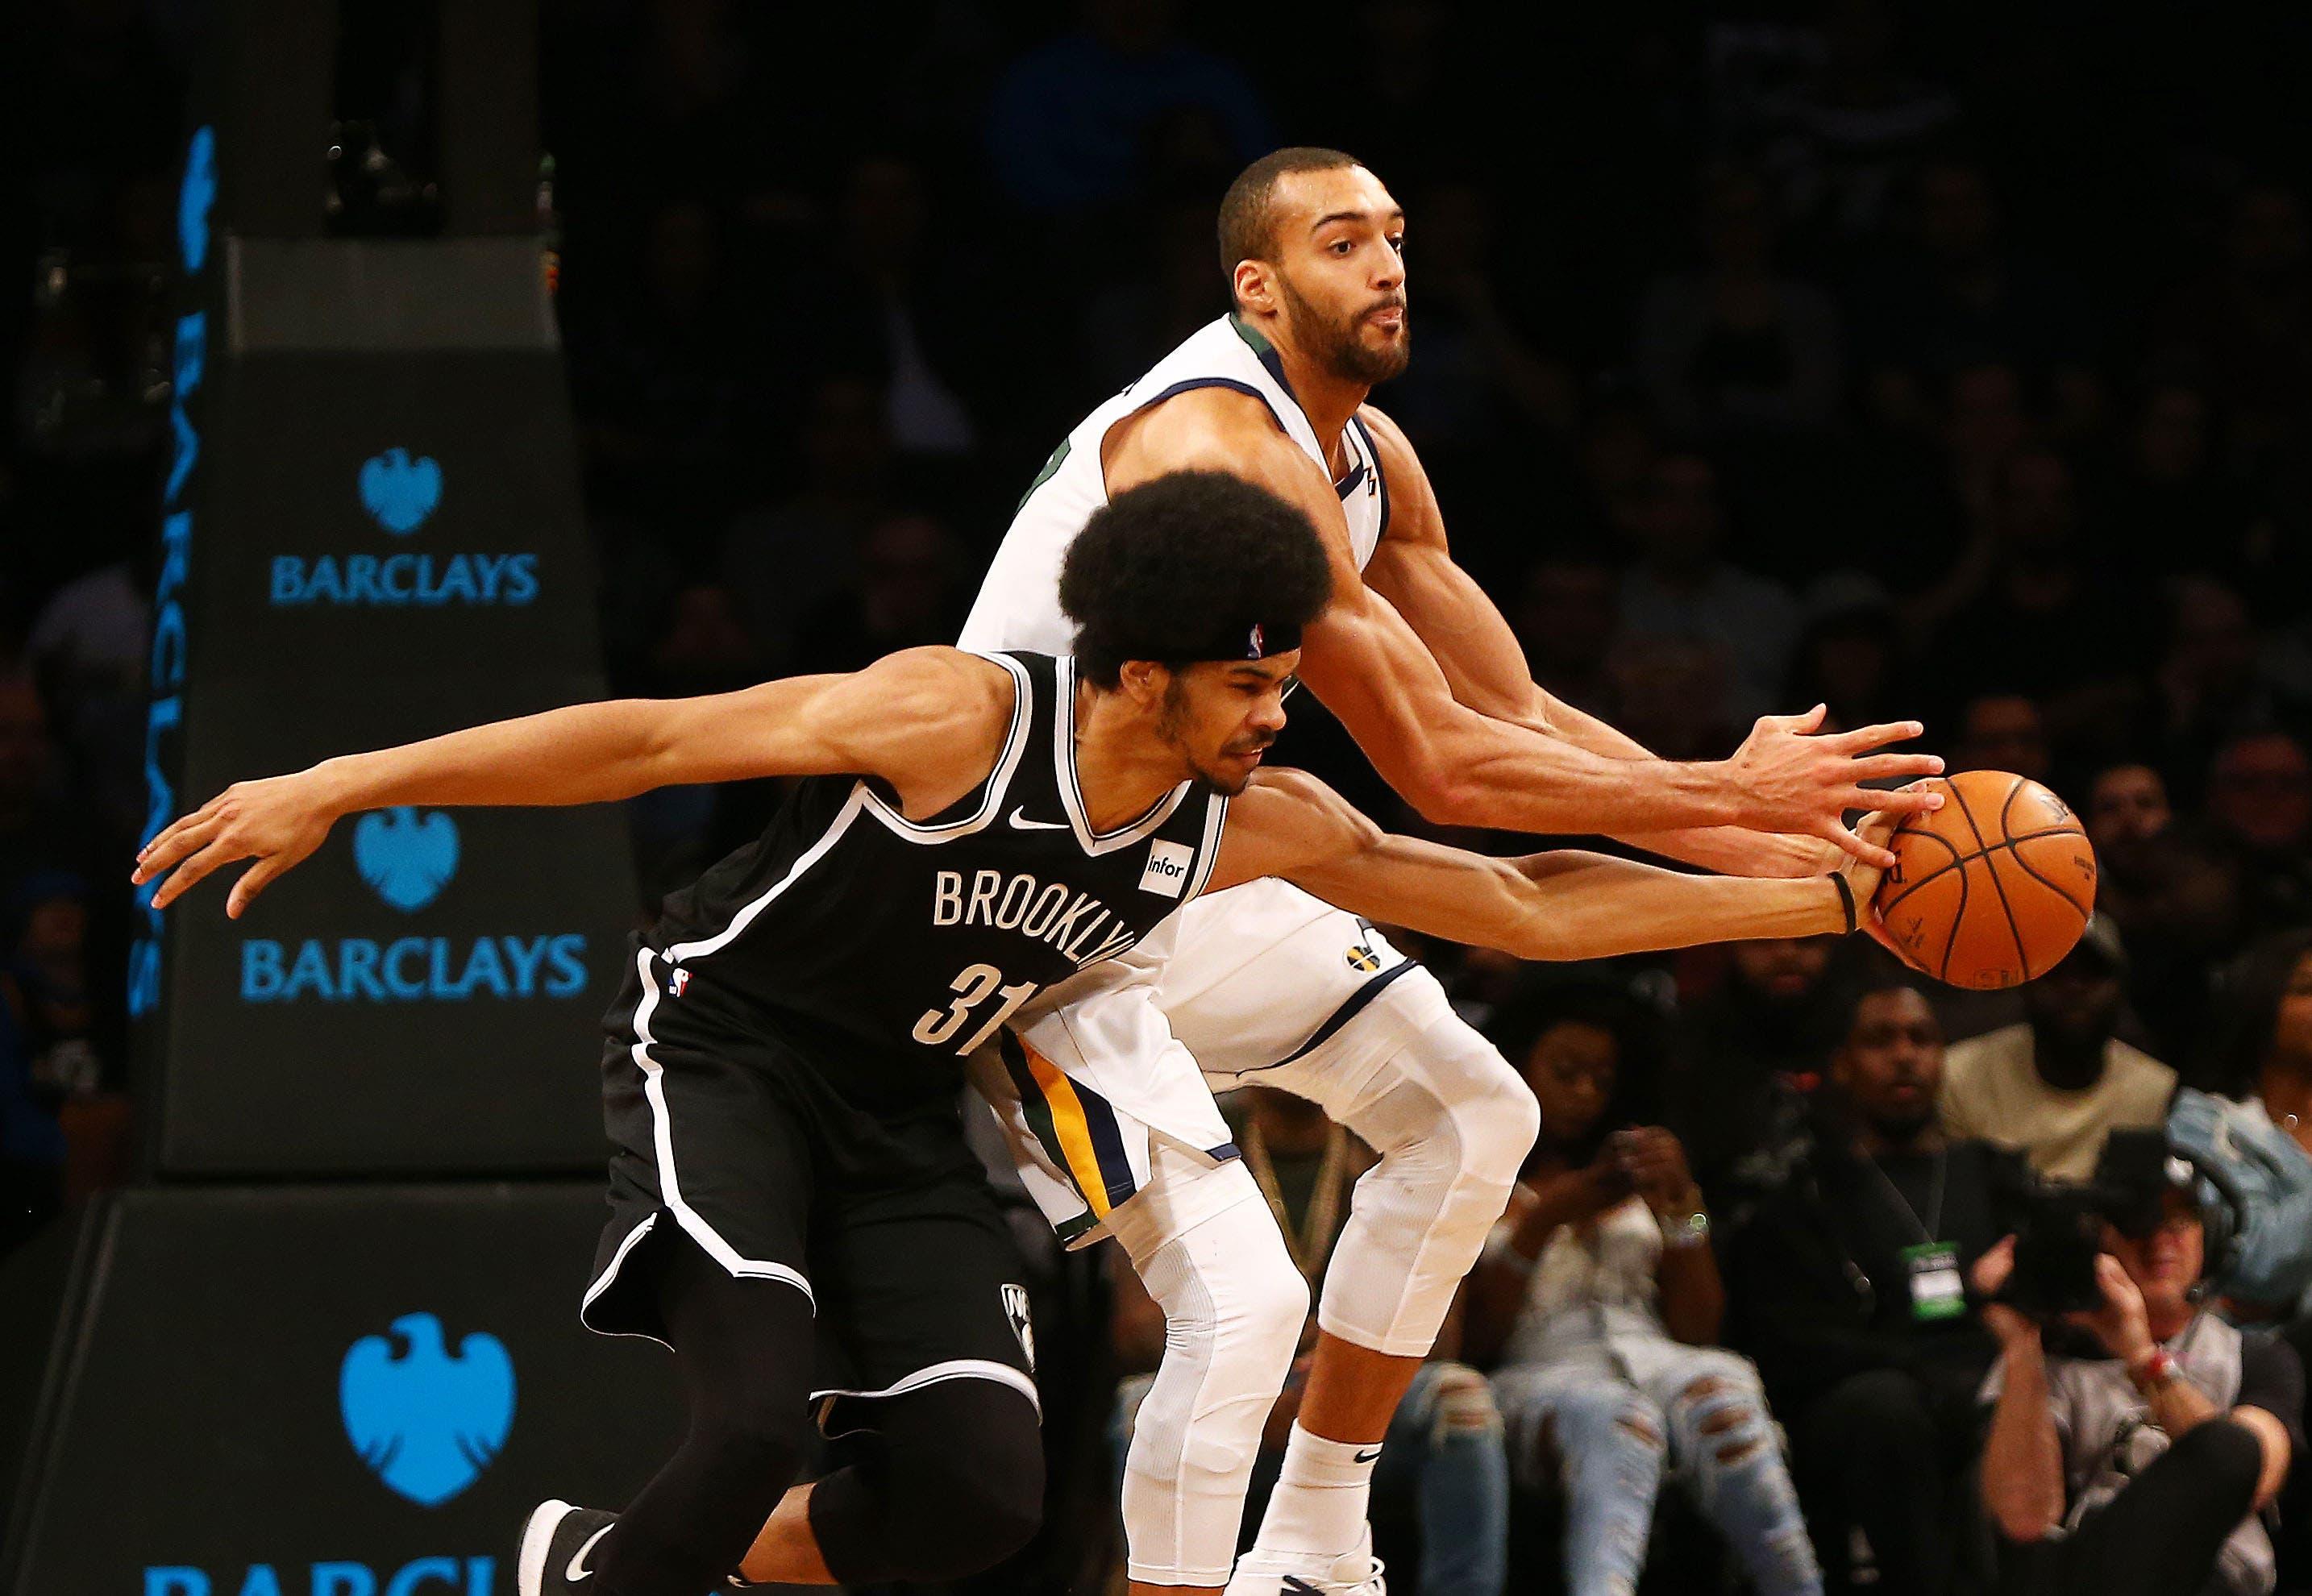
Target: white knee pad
(1234, 1306)
(1453, 1123)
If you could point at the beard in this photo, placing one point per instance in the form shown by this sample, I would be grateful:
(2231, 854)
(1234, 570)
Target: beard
(1339, 346)
(1228, 781)
(1902, 1129)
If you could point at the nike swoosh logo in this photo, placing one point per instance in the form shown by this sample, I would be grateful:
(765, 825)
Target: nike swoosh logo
(1367, 1457)
(578, 1569)
(1294, 1581)
(1020, 822)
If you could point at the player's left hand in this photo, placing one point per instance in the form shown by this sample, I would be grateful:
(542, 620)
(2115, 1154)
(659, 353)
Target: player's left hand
(1862, 878)
(278, 823)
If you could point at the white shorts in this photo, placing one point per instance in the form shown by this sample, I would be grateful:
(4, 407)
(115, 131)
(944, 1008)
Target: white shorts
(1260, 983)
(1263, 978)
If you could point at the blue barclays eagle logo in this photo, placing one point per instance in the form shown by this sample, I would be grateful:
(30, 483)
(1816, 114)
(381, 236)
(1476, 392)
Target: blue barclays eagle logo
(400, 493)
(194, 198)
(405, 860)
(427, 1424)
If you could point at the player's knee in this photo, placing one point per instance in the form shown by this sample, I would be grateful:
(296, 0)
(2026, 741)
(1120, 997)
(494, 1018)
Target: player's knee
(1499, 1122)
(973, 1507)
(1271, 1312)
(757, 1451)
(1464, 1120)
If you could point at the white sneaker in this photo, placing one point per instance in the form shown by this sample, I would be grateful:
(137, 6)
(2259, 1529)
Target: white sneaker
(1281, 1573)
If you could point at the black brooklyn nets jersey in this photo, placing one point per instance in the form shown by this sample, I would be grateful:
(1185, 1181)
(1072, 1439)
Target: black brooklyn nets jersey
(885, 950)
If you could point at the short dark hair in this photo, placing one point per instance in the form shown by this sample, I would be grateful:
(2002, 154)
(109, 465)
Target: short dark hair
(1871, 972)
(1170, 569)
(1249, 210)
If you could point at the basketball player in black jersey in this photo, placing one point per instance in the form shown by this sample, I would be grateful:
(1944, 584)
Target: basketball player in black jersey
(783, 1070)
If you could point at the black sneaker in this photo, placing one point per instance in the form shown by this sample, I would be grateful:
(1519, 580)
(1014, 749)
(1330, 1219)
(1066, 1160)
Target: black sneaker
(556, 1544)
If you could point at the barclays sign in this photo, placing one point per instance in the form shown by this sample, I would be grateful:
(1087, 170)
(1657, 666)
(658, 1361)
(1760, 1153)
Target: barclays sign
(401, 494)
(428, 1422)
(164, 717)
(407, 860)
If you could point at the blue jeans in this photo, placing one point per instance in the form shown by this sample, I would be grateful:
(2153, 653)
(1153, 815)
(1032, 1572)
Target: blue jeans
(1443, 1456)
(1607, 1438)
(1444, 1450)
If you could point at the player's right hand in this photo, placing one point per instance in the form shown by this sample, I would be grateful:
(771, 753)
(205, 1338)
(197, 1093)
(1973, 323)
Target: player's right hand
(1791, 777)
(278, 823)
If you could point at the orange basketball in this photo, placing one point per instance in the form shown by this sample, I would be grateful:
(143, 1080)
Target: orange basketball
(1993, 888)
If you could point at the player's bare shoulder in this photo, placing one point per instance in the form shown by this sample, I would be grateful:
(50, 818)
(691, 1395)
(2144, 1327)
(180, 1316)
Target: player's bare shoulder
(946, 692)
(1412, 514)
(1211, 428)
(1288, 819)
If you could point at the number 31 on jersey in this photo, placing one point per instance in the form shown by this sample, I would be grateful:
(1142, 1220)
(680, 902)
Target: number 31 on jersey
(972, 985)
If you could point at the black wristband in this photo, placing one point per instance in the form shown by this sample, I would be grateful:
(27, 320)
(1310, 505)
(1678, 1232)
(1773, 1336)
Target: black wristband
(1846, 898)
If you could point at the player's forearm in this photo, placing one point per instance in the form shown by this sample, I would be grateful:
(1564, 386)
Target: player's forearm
(1481, 772)
(1732, 850)
(1567, 905)
(586, 753)
(1610, 907)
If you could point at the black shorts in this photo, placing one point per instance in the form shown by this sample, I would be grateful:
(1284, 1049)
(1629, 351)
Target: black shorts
(891, 1230)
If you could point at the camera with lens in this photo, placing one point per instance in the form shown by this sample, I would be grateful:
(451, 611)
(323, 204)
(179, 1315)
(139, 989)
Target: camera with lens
(2060, 1226)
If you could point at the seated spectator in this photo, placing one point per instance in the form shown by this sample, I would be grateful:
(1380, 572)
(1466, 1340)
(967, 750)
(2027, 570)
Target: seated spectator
(1846, 659)
(1848, 1283)
(782, 561)
(911, 590)
(1682, 588)
(1601, 1291)
(47, 1058)
(2260, 800)
(2127, 808)
(1566, 619)
(2266, 1055)
(1442, 1465)
(1737, 346)
(2243, 323)
(2139, 1466)
(2209, 685)
(1962, 293)
(1744, 1061)
(2002, 731)
(2034, 607)
(2054, 1087)
(1068, 124)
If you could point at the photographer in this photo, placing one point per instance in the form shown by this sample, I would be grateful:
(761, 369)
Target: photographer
(2139, 1467)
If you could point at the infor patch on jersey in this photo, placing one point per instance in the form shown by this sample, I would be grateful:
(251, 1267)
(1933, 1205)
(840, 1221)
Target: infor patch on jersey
(1166, 873)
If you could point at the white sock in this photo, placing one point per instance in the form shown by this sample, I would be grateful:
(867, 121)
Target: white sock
(1322, 1493)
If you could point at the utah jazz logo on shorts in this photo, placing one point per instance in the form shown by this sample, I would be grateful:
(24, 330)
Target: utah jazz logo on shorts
(427, 1424)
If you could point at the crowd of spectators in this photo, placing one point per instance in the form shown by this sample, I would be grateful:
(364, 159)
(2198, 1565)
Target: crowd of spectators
(1952, 362)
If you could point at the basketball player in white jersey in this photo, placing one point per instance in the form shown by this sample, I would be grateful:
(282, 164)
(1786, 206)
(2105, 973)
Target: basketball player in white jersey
(1265, 982)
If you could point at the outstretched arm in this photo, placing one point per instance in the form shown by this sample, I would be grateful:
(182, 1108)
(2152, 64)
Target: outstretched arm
(1459, 624)
(923, 719)
(1555, 905)
(1459, 766)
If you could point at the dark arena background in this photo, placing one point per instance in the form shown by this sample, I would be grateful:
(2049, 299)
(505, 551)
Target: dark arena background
(373, 369)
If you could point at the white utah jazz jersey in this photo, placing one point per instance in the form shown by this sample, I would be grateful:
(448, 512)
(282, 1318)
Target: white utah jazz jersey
(1018, 604)
(1260, 977)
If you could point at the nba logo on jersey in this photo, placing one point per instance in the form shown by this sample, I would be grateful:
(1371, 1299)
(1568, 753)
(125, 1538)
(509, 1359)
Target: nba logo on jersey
(1166, 873)
(676, 982)
(1015, 1308)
